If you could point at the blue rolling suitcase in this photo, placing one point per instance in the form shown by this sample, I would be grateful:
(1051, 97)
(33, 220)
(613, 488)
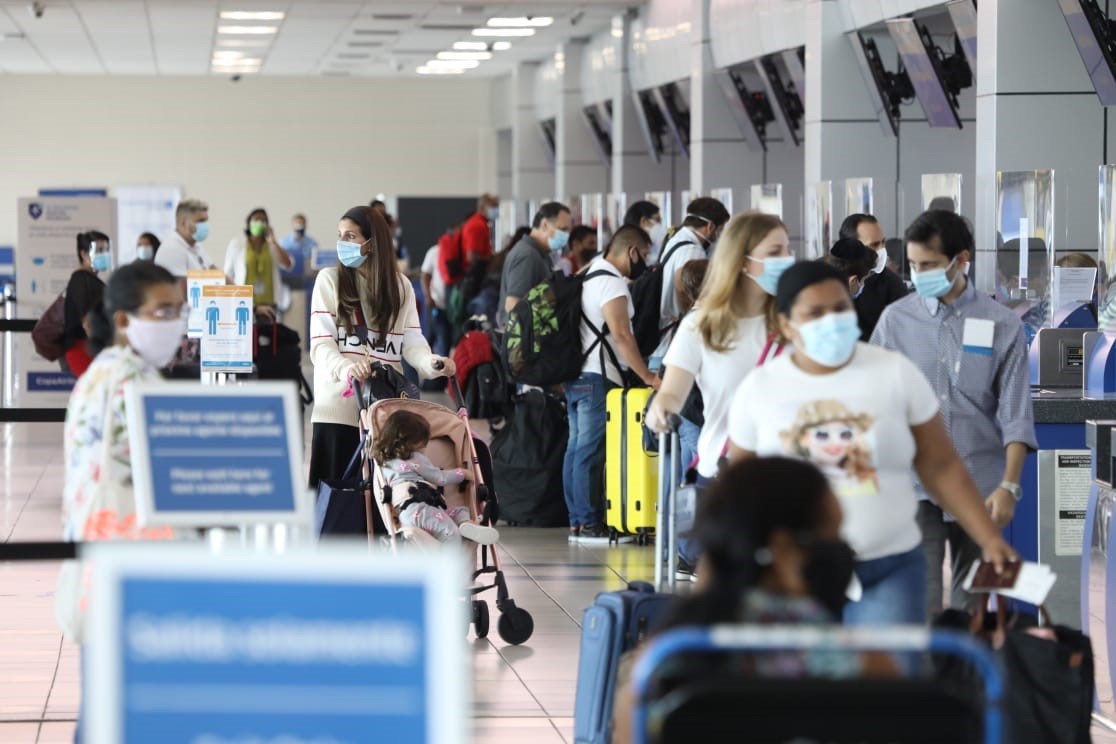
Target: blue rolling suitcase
(613, 624)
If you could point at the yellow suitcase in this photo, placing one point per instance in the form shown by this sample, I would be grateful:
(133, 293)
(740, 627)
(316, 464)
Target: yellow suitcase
(631, 472)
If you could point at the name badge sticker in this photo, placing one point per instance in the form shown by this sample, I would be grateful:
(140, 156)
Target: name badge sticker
(978, 337)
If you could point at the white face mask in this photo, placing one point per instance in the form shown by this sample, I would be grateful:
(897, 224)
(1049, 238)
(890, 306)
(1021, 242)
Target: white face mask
(155, 341)
(658, 234)
(881, 261)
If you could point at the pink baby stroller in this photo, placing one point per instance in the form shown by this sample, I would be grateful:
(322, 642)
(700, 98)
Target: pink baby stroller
(458, 450)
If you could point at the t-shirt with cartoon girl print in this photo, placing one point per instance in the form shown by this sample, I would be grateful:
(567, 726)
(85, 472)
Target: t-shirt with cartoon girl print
(855, 426)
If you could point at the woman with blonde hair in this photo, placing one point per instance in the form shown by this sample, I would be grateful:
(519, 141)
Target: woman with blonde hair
(733, 330)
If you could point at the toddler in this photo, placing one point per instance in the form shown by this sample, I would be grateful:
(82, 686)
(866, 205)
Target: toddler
(416, 483)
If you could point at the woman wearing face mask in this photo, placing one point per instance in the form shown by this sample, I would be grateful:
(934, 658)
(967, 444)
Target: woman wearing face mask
(147, 245)
(134, 333)
(867, 416)
(772, 554)
(647, 216)
(733, 329)
(84, 292)
(255, 258)
(363, 311)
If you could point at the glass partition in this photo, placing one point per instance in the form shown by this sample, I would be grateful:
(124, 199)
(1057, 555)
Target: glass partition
(858, 196)
(1025, 245)
(1107, 247)
(593, 213)
(941, 191)
(615, 207)
(819, 219)
(768, 198)
(507, 222)
(724, 196)
(662, 200)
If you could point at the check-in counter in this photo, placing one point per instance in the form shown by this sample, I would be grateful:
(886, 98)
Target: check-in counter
(1098, 582)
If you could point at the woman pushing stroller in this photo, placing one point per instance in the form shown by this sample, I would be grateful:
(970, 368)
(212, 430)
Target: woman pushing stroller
(415, 485)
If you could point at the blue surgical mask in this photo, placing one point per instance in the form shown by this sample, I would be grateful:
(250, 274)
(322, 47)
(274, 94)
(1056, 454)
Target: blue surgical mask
(349, 253)
(831, 339)
(773, 269)
(201, 231)
(934, 283)
(493, 214)
(559, 239)
(102, 261)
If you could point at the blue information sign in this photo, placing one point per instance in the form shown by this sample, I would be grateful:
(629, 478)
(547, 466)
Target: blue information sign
(216, 455)
(307, 647)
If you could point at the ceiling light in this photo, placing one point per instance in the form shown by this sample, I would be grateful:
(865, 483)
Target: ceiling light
(501, 46)
(227, 54)
(464, 55)
(247, 15)
(244, 43)
(505, 32)
(460, 64)
(247, 30)
(237, 61)
(439, 70)
(471, 46)
(521, 22)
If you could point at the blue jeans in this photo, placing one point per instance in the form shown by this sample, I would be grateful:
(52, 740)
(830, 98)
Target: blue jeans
(894, 591)
(438, 331)
(688, 548)
(583, 466)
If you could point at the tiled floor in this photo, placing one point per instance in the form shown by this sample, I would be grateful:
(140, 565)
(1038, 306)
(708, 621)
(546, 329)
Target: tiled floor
(521, 694)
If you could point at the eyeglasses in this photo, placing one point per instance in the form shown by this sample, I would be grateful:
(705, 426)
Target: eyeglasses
(167, 313)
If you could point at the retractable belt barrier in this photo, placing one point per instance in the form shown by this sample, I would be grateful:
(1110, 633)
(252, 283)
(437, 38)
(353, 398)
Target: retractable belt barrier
(11, 415)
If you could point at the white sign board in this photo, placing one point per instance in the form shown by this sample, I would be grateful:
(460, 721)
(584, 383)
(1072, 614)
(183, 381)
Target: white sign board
(217, 455)
(196, 280)
(141, 209)
(46, 256)
(226, 342)
(332, 646)
(1072, 481)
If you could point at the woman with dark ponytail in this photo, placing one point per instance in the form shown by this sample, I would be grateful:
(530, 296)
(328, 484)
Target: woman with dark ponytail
(133, 334)
(83, 293)
(363, 311)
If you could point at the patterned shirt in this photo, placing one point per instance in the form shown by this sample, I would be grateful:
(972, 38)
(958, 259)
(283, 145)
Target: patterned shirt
(985, 398)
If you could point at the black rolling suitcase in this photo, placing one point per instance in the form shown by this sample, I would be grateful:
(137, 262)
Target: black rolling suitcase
(278, 356)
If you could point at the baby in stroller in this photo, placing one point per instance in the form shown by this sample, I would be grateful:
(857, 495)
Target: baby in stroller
(415, 484)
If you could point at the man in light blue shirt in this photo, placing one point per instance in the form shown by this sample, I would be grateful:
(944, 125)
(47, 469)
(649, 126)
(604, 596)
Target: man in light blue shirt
(973, 351)
(301, 248)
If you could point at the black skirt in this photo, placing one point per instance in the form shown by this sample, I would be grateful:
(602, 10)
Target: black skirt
(331, 448)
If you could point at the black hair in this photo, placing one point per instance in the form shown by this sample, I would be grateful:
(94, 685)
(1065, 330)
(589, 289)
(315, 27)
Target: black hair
(153, 240)
(705, 210)
(625, 236)
(736, 519)
(377, 204)
(86, 239)
(945, 203)
(950, 228)
(126, 291)
(520, 233)
(402, 434)
(641, 210)
(852, 258)
(548, 211)
(580, 232)
(248, 219)
(800, 276)
(851, 225)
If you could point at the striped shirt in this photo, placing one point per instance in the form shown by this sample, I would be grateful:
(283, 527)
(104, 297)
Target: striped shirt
(985, 399)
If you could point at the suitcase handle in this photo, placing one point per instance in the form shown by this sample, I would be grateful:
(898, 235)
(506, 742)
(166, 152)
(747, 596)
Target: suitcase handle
(666, 556)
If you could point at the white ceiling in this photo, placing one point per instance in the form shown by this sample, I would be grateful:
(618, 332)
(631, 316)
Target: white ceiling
(332, 37)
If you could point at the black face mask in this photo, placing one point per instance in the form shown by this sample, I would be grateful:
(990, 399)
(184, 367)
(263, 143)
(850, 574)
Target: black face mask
(636, 268)
(829, 569)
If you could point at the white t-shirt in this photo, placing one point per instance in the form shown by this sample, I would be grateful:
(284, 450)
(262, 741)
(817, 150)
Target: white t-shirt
(437, 284)
(178, 257)
(718, 374)
(595, 294)
(668, 307)
(855, 425)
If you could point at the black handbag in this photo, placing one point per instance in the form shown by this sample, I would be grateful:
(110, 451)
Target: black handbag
(385, 382)
(341, 509)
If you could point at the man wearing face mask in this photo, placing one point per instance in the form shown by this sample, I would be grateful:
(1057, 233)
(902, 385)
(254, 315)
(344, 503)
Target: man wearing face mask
(581, 250)
(84, 293)
(183, 250)
(476, 235)
(705, 217)
(884, 286)
(973, 351)
(301, 248)
(529, 261)
(606, 303)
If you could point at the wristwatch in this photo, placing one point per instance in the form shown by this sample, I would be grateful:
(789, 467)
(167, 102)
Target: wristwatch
(1013, 488)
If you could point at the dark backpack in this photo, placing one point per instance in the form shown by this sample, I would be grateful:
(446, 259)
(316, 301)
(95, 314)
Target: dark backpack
(647, 294)
(544, 327)
(49, 332)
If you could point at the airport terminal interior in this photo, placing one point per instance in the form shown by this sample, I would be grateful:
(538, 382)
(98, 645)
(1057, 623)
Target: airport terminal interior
(557, 371)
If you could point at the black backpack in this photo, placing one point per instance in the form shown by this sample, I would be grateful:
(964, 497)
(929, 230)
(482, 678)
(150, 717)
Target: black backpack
(647, 294)
(544, 327)
(527, 457)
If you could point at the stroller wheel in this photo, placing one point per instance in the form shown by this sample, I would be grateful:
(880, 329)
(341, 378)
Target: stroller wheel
(480, 618)
(515, 626)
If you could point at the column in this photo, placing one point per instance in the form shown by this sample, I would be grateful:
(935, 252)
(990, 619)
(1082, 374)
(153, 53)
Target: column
(843, 138)
(1036, 108)
(532, 175)
(719, 155)
(579, 169)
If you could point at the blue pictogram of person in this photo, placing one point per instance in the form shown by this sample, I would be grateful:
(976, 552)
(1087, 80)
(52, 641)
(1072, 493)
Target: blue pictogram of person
(242, 315)
(212, 315)
(195, 296)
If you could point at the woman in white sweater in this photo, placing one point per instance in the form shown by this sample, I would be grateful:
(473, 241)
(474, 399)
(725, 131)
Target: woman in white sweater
(363, 311)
